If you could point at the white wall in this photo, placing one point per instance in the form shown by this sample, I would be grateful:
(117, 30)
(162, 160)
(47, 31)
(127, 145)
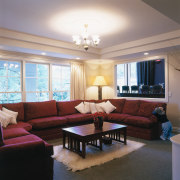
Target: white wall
(173, 108)
(93, 70)
(107, 70)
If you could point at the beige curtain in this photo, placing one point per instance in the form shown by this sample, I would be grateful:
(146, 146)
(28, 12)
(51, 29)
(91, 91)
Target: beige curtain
(78, 81)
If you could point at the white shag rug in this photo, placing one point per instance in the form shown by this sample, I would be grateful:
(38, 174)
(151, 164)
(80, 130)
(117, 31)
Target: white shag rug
(94, 156)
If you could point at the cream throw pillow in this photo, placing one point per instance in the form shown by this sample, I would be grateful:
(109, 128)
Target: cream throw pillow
(87, 107)
(83, 108)
(5, 119)
(108, 107)
(11, 113)
(93, 108)
(80, 108)
(99, 108)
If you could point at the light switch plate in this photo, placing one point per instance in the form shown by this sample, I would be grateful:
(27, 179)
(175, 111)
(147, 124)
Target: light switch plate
(170, 93)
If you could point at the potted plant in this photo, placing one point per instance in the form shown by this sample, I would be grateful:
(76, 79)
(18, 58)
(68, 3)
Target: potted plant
(98, 119)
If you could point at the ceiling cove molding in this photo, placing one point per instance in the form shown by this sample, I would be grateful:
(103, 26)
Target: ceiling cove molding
(16, 56)
(46, 48)
(153, 40)
(143, 45)
(143, 48)
(39, 42)
(138, 59)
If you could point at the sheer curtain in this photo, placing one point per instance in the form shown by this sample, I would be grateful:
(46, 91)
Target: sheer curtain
(78, 81)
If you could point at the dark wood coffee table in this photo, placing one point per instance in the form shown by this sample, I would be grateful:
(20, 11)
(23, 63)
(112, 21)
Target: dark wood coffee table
(78, 136)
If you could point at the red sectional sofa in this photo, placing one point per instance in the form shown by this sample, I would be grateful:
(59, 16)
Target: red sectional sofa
(22, 141)
(46, 119)
(22, 154)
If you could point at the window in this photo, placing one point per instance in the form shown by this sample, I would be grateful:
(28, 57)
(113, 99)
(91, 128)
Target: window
(61, 82)
(132, 67)
(37, 82)
(141, 79)
(40, 82)
(10, 82)
(121, 75)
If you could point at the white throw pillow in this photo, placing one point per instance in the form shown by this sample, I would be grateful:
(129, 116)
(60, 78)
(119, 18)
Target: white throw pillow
(99, 108)
(11, 113)
(108, 107)
(93, 108)
(87, 107)
(5, 120)
(80, 108)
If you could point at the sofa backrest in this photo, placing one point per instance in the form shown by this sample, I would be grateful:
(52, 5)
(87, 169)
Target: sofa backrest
(31, 110)
(131, 107)
(119, 104)
(146, 108)
(17, 107)
(34, 110)
(1, 136)
(67, 107)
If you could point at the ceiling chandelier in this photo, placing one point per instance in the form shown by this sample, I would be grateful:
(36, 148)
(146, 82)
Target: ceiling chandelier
(84, 40)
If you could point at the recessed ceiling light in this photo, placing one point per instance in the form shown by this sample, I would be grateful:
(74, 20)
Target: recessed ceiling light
(77, 58)
(146, 53)
(43, 53)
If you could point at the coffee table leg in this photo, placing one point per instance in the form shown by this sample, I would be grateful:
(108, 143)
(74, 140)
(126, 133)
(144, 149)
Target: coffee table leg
(64, 139)
(83, 149)
(125, 141)
(100, 144)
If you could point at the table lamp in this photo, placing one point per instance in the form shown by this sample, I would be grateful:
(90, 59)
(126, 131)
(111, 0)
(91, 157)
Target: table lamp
(99, 81)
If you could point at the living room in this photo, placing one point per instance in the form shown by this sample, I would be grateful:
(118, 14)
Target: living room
(61, 62)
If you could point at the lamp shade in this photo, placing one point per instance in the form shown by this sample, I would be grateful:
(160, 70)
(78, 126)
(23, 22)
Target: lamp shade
(99, 81)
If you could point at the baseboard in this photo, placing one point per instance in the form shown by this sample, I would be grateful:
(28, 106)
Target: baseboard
(176, 130)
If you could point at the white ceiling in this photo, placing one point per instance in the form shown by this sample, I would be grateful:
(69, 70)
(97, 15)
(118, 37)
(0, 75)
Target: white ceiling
(133, 19)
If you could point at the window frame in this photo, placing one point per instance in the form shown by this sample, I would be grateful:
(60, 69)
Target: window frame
(23, 61)
(55, 64)
(21, 76)
(129, 73)
(166, 99)
(48, 91)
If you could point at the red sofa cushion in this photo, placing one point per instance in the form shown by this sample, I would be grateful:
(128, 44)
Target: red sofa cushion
(17, 107)
(74, 118)
(87, 117)
(131, 107)
(42, 123)
(14, 132)
(146, 108)
(67, 107)
(22, 139)
(0, 106)
(25, 146)
(118, 103)
(20, 124)
(117, 117)
(35, 110)
(22, 147)
(1, 136)
(139, 121)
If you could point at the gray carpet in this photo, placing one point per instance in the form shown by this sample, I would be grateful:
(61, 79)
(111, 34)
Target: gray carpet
(151, 162)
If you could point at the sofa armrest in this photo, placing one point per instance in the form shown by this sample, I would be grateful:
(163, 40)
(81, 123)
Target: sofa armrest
(153, 118)
(21, 150)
